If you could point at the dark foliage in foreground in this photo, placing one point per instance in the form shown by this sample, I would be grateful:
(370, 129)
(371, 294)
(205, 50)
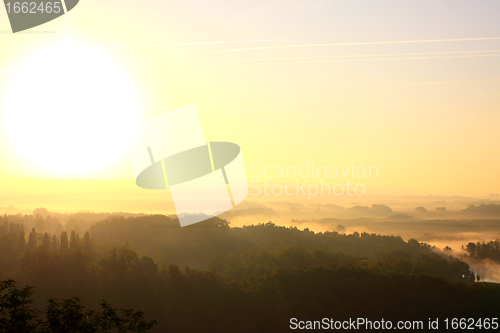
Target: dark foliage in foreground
(68, 316)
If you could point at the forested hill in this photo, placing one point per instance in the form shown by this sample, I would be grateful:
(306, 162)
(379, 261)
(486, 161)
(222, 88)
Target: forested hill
(213, 244)
(161, 237)
(246, 279)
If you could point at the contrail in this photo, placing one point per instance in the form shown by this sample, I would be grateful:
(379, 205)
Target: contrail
(466, 96)
(352, 60)
(435, 82)
(350, 56)
(330, 44)
(206, 43)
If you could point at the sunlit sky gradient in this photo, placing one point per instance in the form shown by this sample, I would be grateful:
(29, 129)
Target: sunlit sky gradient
(426, 113)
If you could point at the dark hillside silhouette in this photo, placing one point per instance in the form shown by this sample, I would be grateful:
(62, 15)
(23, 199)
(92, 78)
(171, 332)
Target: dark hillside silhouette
(212, 278)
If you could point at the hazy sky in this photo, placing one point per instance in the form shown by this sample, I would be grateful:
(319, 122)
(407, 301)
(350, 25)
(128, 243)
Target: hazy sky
(426, 113)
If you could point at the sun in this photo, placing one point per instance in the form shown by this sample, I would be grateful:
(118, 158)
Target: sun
(71, 109)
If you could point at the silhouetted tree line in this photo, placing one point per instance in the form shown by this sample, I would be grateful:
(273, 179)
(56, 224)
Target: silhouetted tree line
(490, 250)
(483, 209)
(252, 279)
(54, 223)
(161, 238)
(68, 316)
(255, 263)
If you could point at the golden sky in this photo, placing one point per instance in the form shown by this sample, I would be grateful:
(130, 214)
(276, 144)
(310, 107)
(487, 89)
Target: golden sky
(411, 87)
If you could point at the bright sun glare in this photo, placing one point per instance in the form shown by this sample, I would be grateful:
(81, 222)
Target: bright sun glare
(71, 109)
